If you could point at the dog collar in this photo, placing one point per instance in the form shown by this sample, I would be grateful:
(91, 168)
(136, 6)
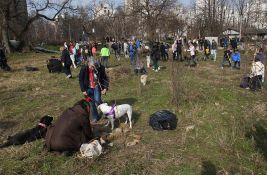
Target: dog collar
(112, 111)
(42, 125)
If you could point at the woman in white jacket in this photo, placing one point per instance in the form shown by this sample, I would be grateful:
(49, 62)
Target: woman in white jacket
(257, 74)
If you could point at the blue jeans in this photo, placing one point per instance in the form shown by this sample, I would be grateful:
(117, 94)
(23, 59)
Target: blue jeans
(132, 58)
(104, 61)
(95, 94)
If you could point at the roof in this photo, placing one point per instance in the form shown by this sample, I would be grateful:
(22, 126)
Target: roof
(230, 32)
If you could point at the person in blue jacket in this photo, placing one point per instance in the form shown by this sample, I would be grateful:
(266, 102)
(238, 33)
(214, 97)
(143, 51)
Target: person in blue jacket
(236, 59)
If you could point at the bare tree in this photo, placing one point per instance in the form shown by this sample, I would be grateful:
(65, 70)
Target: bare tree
(241, 6)
(151, 13)
(12, 9)
(211, 16)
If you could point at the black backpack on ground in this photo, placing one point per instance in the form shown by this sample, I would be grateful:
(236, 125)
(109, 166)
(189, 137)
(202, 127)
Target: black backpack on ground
(54, 65)
(163, 120)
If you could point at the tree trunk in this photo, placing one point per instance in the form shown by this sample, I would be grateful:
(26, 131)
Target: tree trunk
(240, 27)
(5, 36)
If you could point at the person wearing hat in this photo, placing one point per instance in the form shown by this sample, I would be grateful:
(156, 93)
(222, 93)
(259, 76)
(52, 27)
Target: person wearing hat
(93, 82)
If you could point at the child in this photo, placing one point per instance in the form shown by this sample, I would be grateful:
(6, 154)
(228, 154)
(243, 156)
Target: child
(227, 56)
(236, 59)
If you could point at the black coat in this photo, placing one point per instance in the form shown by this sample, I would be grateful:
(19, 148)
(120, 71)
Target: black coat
(155, 53)
(70, 131)
(65, 57)
(100, 73)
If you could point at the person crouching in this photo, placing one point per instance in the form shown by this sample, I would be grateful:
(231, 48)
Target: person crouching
(71, 130)
(257, 74)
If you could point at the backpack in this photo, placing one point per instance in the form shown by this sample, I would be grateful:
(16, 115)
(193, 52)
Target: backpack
(163, 120)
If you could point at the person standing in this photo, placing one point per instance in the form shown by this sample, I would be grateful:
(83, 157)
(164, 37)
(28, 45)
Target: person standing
(179, 50)
(236, 58)
(233, 43)
(214, 50)
(227, 57)
(94, 51)
(174, 50)
(3, 60)
(93, 82)
(105, 53)
(125, 46)
(155, 56)
(66, 60)
(192, 51)
(132, 52)
(72, 51)
(162, 52)
(225, 43)
(260, 55)
(206, 49)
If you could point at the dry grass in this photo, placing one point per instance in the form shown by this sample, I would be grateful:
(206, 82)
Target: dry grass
(213, 114)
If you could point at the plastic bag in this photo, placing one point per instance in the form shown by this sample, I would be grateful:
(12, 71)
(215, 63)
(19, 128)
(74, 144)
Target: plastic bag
(163, 120)
(91, 150)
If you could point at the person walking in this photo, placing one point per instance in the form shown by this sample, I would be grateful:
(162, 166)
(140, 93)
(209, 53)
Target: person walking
(105, 53)
(66, 60)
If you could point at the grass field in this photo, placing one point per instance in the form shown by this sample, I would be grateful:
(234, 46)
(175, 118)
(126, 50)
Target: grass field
(208, 100)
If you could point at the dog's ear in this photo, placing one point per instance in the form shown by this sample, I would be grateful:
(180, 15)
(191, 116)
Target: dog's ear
(105, 104)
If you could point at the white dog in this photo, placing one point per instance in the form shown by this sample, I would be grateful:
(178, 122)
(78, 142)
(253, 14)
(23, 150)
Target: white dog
(114, 112)
(143, 79)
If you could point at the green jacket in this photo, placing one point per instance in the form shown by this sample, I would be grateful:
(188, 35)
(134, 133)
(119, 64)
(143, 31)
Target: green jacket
(104, 52)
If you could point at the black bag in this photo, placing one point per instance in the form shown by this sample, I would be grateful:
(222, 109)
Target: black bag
(54, 65)
(163, 120)
(245, 82)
